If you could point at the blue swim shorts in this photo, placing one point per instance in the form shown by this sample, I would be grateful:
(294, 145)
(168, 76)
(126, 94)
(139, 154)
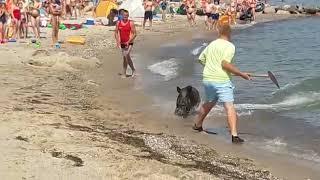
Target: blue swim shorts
(218, 92)
(215, 16)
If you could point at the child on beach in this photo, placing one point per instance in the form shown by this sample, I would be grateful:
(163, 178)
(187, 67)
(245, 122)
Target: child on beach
(215, 14)
(253, 4)
(55, 11)
(24, 22)
(3, 21)
(208, 14)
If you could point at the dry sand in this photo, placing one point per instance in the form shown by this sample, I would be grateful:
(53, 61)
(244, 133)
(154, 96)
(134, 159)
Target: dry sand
(66, 114)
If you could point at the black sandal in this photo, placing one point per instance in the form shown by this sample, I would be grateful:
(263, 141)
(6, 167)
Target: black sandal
(197, 128)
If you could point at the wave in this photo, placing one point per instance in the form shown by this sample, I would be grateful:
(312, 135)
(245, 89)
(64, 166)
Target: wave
(243, 26)
(168, 69)
(278, 145)
(173, 44)
(196, 51)
(293, 96)
(303, 86)
(292, 102)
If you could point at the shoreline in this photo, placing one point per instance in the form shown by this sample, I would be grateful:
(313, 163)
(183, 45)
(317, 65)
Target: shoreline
(83, 121)
(158, 120)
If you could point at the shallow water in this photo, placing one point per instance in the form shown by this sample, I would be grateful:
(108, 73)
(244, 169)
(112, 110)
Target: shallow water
(311, 3)
(285, 121)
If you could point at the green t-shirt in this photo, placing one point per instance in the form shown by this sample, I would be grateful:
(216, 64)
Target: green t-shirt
(212, 57)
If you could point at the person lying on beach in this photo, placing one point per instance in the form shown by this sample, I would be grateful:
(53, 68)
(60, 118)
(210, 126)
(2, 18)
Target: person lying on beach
(3, 22)
(125, 33)
(217, 59)
(55, 11)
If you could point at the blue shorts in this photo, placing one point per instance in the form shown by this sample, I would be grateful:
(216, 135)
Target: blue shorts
(95, 2)
(221, 92)
(215, 16)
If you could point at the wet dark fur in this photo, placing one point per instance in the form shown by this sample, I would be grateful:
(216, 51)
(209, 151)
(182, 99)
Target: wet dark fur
(187, 101)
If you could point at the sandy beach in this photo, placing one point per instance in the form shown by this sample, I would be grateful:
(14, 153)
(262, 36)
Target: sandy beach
(67, 114)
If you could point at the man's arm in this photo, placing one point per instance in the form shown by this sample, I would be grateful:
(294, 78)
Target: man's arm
(202, 57)
(116, 35)
(133, 32)
(234, 70)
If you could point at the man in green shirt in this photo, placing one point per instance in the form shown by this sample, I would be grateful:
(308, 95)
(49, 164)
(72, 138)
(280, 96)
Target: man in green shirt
(217, 59)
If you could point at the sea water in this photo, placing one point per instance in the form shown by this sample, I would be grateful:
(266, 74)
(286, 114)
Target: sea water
(286, 120)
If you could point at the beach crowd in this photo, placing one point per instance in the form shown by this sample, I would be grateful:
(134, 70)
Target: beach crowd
(17, 16)
(213, 10)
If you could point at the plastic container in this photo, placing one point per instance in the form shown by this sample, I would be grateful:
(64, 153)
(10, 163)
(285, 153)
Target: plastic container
(90, 22)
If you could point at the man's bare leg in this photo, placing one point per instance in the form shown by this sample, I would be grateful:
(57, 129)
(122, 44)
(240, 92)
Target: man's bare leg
(125, 66)
(232, 118)
(193, 18)
(150, 24)
(130, 62)
(144, 24)
(54, 26)
(203, 112)
(37, 24)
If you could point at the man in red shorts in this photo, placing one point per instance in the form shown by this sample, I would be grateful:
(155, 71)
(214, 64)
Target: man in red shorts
(125, 34)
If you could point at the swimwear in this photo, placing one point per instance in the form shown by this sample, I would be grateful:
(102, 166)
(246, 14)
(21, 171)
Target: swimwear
(35, 13)
(17, 14)
(124, 46)
(125, 31)
(3, 19)
(215, 16)
(148, 15)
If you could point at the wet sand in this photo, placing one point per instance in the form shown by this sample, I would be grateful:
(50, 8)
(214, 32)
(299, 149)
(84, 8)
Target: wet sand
(66, 114)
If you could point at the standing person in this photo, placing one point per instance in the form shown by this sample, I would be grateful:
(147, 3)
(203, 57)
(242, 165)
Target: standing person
(95, 5)
(35, 18)
(216, 13)
(253, 4)
(16, 20)
(23, 25)
(3, 22)
(148, 6)
(55, 11)
(217, 59)
(208, 14)
(191, 11)
(233, 11)
(163, 6)
(125, 34)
